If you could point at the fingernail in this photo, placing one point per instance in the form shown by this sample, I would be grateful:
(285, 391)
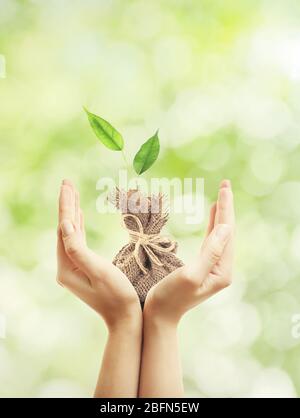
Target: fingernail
(226, 184)
(66, 182)
(67, 228)
(223, 231)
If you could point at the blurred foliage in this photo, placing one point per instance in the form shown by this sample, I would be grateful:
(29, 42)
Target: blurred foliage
(222, 81)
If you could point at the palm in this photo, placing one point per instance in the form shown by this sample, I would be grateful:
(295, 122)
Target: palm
(192, 284)
(91, 277)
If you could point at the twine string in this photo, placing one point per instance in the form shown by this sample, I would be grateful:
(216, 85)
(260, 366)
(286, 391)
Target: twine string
(148, 242)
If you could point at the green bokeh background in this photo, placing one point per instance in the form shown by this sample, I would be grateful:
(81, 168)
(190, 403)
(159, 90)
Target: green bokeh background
(222, 81)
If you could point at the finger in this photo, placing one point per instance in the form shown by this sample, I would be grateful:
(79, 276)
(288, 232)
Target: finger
(211, 222)
(225, 183)
(80, 255)
(63, 262)
(69, 184)
(82, 227)
(226, 215)
(77, 209)
(62, 258)
(65, 203)
(224, 209)
(211, 253)
(225, 206)
(59, 253)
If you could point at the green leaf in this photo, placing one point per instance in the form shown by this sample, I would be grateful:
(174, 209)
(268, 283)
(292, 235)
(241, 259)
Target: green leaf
(107, 134)
(147, 154)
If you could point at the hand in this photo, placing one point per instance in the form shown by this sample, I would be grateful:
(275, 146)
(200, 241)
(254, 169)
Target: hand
(190, 285)
(89, 276)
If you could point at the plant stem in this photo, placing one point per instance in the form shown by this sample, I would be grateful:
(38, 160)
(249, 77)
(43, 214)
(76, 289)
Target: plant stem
(125, 159)
(127, 166)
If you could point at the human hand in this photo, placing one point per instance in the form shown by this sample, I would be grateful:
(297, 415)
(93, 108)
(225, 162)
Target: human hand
(93, 279)
(190, 285)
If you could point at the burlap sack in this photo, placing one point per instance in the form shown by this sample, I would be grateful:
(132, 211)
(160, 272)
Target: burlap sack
(148, 257)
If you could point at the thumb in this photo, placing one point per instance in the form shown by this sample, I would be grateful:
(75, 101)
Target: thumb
(75, 248)
(214, 247)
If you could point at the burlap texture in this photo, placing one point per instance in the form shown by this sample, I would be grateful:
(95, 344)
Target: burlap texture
(152, 223)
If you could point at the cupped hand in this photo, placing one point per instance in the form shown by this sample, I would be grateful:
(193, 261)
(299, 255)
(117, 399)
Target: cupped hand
(210, 272)
(93, 279)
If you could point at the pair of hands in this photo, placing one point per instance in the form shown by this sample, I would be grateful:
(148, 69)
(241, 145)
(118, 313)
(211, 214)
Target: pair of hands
(107, 290)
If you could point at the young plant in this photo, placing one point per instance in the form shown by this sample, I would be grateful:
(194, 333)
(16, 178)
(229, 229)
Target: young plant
(113, 140)
(147, 257)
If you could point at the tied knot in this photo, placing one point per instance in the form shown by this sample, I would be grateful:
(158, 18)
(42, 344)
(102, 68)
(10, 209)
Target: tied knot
(148, 242)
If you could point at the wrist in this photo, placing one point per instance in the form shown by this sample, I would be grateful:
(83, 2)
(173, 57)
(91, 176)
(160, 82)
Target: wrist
(158, 328)
(159, 321)
(157, 314)
(127, 325)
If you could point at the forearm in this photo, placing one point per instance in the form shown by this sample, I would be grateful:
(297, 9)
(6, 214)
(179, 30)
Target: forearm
(161, 374)
(119, 374)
